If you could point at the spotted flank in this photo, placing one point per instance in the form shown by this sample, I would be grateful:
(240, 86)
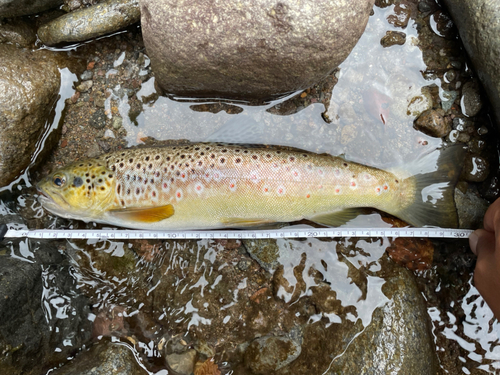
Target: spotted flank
(208, 185)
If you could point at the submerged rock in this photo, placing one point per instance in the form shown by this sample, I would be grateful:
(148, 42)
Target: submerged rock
(478, 26)
(471, 99)
(270, 353)
(105, 358)
(15, 8)
(248, 50)
(91, 22)
(40, 309)
(29, 83)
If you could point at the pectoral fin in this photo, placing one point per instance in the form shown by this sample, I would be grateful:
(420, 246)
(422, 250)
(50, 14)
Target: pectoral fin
(144, 215)
(337, 218)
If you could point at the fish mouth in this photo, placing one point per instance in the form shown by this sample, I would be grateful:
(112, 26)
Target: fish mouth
(46, 200)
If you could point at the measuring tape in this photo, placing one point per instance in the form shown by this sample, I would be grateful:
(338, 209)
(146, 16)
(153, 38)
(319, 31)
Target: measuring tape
(125, 234)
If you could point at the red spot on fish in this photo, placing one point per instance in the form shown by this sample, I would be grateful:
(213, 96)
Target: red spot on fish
(231, 186)
(353, 184)
(198, 187)
(266, 189)
(308, 196)
(386, 187)
(165, 185)
(280, 191)
(377, 190)
(337, 190)
(179, 194)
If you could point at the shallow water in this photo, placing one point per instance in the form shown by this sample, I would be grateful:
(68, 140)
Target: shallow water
(145, 293)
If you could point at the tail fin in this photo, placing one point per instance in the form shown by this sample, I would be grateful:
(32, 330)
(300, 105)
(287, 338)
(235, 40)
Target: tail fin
(433, 180)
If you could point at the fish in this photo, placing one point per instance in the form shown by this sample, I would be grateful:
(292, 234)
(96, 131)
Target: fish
(215, 185)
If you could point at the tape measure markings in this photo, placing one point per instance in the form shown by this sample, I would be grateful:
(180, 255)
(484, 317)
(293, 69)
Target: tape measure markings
(239, 234)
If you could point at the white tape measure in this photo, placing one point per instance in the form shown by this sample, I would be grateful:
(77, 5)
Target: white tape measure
(291, 232)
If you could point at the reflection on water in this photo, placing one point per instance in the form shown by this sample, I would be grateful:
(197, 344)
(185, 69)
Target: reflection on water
(338, 301)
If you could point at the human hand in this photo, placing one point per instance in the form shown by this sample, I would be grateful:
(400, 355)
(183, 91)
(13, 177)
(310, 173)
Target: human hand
(485, 243)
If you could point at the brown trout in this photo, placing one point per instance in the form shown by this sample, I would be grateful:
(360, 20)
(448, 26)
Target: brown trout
(208, 185)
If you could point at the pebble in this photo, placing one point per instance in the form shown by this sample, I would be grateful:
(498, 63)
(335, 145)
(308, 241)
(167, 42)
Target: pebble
(471, 99)
(97, 119)
(244, 264)
(447, 99)
(117, 122)
(433, 122)
(85, 86)
(476, 168)
(424, 7)
(450, 76)
(392, 38)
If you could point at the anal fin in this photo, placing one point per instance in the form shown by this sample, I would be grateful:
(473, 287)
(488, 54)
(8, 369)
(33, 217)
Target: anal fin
(337, 218)
(237, 222)
(143, 215)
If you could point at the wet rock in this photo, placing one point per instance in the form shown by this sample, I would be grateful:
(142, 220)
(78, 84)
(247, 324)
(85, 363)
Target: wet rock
(250, 50)
(398, 339)
(476, 168)
(442, 25)
(15, 8)
(17, 32)
(448, 99)
(470, 208)
(105, 358)
(478, 26)
(88, 23)
(433, 122)
(86, 75)
(400, 16)
(40, 308)
(471, 99)
(271, 353)
(392, 38)
(29, 83)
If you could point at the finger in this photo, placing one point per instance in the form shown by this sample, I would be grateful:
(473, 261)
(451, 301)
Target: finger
(482, 240)
(492, 217)
(486, 272)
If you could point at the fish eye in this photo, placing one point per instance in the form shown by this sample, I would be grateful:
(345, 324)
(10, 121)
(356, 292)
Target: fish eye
(59, 180)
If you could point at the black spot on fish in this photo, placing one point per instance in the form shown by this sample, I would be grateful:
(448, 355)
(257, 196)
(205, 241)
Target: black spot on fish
(100, 180)
(103, 172)
(238, 160)
(177, 173)
(396, 181)
(345, 165)
(202, 153)
(304, 155)
(212, 156)
(121, 165)
(150, 166)
(113, 168)
(183, 156)
(110, 175)
(137, 191)
(153, 193)
(157, 174)
(292, 159)
(122, 202)
(196, 148)
(172, 167)
(245, 151)
(278, 152)
(147, 158)
(138, 166)
(118, 188)
(102, 188)
(77, 182)
(81, 165)
(222, 160)
(200, 163)
(128, 191)
(187, 164)
(268, 156)
(254, 157)
(130, 161)
(168, 158)
(224, 150)
(88, 180)
(157, 157)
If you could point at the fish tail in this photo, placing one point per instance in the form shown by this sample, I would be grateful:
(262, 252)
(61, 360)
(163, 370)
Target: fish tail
(429, 198)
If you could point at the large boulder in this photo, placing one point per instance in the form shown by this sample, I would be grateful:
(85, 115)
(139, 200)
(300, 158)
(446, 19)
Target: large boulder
(15, 8)
(478, 23)
(248, 50)
(29, 84)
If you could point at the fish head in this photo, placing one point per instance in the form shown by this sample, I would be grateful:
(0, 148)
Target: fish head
(83, 190)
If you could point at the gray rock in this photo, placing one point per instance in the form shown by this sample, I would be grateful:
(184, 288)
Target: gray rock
(91, 22)
(433, 122)
(265, 252)
(398, 340)
(252, 49)
(470, 209)
(471, 99)
(479, 29)
(30, 332)
(86, 75)
(270, 353)
(17, 32)
(15, 8)
(29, 84)
(105, 358)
